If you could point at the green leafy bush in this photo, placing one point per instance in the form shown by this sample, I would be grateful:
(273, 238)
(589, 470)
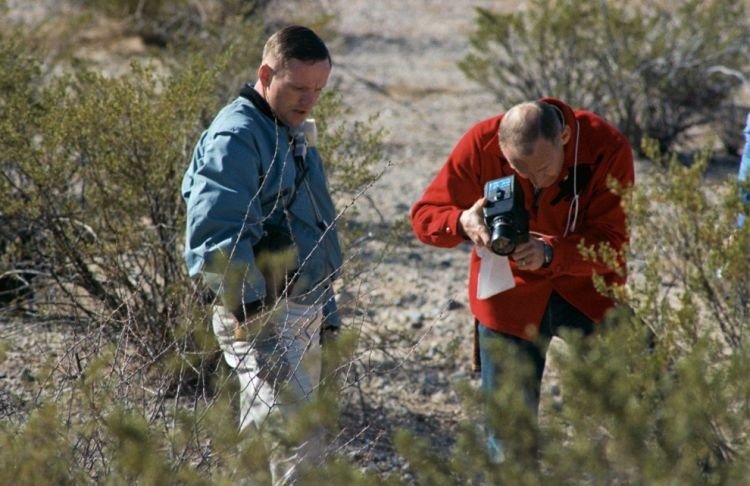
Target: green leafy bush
(652, 70)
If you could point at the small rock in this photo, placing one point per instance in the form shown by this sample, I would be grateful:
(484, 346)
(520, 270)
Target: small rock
(27, 376)
(454, 305)
(460, 375)
(407, 299)
(414, 256)
(557, 404)
(415, 319)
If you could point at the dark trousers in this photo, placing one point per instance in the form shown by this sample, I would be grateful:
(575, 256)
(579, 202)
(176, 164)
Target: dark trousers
(558, 314)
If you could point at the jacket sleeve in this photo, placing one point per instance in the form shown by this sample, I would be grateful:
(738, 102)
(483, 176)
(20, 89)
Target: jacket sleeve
(603, 220)
(456, 187)
(224, 216)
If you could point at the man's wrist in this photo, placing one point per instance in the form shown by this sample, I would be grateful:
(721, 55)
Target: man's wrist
(460, 226)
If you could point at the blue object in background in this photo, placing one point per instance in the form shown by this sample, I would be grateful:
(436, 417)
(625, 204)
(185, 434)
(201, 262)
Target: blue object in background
(744, 173)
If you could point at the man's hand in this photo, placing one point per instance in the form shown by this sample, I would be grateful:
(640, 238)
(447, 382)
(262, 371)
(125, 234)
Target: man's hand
(529, 255)
(250, 320)
(328, 335)
(471, 224)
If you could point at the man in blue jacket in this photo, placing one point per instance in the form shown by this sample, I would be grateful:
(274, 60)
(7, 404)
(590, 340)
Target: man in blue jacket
(260, 232)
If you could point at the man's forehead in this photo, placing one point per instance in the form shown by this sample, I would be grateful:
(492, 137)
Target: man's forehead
(542, 152)
(519, 164)
(296, 69)
(295, 64)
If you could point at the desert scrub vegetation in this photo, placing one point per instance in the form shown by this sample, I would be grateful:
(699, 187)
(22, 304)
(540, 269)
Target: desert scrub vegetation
(653, 69)
(92, 225)
(91, 228)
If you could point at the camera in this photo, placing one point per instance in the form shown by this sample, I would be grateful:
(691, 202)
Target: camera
(505, 214)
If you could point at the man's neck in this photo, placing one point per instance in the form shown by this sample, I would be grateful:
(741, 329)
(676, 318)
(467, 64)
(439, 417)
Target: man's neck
(256, 98)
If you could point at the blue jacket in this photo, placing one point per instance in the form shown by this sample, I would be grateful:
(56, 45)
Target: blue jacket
(240, 180)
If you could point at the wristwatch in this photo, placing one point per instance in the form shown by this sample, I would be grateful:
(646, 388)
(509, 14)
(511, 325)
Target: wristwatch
(547, 254)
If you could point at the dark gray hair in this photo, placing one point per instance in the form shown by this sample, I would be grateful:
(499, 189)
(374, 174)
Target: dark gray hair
(525, 123)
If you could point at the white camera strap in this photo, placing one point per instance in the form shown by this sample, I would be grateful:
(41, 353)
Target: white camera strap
(570, 226)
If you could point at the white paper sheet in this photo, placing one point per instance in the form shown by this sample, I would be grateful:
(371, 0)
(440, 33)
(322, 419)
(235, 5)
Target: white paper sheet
(495, 275)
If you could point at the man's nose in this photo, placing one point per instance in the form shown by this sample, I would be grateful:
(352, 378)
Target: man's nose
(309, 99)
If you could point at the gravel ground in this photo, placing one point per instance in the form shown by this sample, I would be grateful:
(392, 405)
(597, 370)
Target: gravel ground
(399, 61)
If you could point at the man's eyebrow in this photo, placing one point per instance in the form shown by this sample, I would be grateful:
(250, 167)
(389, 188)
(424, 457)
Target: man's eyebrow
(519, 166)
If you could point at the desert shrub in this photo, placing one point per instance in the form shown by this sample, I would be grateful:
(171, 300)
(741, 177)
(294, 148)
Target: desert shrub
(353, 152)
(652, 70)
(92, 161)
(18, 76)
(701, 265)
(90, 200)
(179, 24)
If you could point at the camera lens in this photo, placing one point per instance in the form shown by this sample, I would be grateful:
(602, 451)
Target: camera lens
(502, 241)
(502, 246)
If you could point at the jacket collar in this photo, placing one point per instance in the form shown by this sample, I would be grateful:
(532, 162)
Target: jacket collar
(248, 91)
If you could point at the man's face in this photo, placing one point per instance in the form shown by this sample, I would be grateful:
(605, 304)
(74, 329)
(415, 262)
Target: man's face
(543, 166)
(292, 91)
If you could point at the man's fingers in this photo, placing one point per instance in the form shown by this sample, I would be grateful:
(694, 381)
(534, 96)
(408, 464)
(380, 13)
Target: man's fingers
(482, 236)
(478, 205)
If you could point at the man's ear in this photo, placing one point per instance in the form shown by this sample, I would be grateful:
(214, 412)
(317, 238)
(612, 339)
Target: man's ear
(565, 135)
(265, 73)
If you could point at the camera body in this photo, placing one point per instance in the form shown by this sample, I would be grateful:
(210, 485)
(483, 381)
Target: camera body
(505, 214)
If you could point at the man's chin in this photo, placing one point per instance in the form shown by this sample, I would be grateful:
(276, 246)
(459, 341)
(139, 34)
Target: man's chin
(546, 184)
(297, 119)
(292, 121)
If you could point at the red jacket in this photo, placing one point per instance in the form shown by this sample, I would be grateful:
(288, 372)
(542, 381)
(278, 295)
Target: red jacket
(603, 152)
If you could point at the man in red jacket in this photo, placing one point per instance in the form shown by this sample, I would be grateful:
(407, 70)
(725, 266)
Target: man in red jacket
(564, 161)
